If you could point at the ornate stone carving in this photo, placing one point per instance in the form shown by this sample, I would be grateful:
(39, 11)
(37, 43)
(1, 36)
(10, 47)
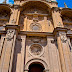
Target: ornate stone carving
(36, 49)
(63, 37)
(10, 34)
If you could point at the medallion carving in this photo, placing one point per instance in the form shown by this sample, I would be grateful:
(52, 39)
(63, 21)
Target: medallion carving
(36, 49)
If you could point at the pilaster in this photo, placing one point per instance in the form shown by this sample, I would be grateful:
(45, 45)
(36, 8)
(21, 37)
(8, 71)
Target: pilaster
(7, 57)
(23, 52)
(21, 56)
(53, 55)
(63, 48)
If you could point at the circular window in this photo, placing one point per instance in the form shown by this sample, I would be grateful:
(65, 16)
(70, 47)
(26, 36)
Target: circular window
(36, 49)
(35, 27)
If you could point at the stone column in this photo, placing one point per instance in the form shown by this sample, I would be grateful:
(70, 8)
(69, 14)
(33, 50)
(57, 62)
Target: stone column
(57, 20)
(63, 48)
(7, 58)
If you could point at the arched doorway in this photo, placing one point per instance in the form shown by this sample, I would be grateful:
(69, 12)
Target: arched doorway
(36, 67)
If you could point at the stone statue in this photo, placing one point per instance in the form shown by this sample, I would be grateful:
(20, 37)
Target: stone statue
(65, 5)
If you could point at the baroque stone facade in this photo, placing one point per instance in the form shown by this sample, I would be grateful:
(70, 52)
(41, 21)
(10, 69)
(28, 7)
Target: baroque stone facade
(35, 36)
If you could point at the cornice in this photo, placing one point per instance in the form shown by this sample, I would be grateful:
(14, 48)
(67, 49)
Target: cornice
(17, 27)
(55, 9)
(29, 33)
(59, 29)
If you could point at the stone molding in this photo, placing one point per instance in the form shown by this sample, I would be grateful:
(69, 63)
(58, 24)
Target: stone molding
(17, 27)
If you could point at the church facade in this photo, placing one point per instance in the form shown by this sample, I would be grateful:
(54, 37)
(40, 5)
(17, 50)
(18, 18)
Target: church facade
(35, 36)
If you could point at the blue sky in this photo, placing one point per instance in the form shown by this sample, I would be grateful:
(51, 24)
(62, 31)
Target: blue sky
(60, 2)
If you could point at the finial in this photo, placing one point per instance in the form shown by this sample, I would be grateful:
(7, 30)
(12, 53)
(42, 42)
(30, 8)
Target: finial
(65, 5)
(4, 1)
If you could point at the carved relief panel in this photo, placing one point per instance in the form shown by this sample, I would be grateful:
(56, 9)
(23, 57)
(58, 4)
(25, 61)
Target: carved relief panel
(35, 46)
(36, 18)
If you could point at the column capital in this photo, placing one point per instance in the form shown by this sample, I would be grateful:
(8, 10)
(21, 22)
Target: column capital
(16, 6)
(62, 33)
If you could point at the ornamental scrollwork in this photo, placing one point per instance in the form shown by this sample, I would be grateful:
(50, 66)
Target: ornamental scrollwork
(10, 34)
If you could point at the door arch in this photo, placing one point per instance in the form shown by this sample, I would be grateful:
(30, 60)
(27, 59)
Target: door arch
(36, 67)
